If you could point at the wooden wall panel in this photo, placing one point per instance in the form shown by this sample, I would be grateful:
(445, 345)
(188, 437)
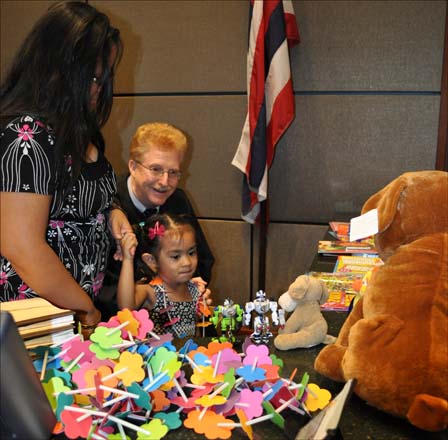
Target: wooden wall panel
(290, 252)
(369, 45)
(16, 19)
(213, 125)
(180, 46)
(342, 148)
(230, 243)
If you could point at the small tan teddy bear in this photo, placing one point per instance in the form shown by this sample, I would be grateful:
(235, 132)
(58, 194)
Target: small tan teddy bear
(306, 326)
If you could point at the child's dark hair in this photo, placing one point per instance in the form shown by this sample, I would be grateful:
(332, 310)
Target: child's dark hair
(150, 232)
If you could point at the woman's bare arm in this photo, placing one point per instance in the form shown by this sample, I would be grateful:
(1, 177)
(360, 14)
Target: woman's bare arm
(24, 219)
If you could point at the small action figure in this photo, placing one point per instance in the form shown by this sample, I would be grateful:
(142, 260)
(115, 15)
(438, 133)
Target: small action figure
(227, 319)
(262, 305)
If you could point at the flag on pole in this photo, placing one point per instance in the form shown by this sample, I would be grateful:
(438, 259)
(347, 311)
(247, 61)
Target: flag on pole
(270, 97)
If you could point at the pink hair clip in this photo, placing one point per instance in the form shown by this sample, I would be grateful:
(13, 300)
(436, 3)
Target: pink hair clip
(157, 230)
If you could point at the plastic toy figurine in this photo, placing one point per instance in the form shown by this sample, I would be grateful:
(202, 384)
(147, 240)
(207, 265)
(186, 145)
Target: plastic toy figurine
(262, 305)
(227, 319)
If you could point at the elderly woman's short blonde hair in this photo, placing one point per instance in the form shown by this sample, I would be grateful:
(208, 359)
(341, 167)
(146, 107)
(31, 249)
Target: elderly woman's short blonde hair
(159, 134)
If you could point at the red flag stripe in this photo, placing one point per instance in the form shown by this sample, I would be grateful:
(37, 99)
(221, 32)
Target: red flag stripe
(281, 118)
(292, 30)
(257, 73)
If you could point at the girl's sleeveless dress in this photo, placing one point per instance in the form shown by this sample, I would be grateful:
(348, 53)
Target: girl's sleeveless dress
(176, 317)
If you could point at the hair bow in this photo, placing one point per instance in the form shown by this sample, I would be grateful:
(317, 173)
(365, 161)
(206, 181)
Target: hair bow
(157, 230)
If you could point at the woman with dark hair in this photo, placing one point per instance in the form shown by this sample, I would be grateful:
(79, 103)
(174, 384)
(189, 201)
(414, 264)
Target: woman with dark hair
(56, 185)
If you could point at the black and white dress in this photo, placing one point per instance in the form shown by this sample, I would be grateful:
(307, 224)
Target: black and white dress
(175, 317)
(77, 227)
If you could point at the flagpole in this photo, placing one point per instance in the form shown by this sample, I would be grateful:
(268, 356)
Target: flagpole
(263, 232)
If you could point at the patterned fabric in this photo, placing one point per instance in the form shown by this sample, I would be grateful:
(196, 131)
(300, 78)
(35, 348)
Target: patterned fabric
(77, 227)
(184, 310)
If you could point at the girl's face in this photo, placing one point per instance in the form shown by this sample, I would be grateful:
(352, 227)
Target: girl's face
(178, 257)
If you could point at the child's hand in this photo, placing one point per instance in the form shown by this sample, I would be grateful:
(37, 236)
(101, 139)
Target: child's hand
(202, 287)
(128, 244)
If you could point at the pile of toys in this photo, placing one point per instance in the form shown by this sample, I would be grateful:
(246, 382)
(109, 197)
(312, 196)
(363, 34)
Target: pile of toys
(228, 318)
(126, 378)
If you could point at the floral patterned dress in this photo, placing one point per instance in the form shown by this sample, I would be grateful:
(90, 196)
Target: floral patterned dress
(77, 227)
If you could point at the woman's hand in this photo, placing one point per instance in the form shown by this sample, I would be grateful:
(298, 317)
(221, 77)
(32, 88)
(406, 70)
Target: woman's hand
(202, 287)
(118, 226)
(24, 244)
(88, 321)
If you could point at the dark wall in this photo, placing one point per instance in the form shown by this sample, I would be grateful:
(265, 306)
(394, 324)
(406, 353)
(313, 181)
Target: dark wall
(367, 88)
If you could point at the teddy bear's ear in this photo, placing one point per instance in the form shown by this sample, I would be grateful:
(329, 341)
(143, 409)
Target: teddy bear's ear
(297, 290)
(325, 294)
(386, 202)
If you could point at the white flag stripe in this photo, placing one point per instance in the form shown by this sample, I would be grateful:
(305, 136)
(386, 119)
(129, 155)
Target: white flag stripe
(287, 7)
(257, 17)
(278, 76)
(242, 152)
(263, 189)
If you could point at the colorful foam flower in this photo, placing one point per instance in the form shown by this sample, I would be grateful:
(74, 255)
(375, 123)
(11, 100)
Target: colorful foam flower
(131, 363)
(317, 398)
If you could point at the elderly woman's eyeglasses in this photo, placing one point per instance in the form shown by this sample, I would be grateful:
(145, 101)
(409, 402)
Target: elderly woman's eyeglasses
(158, 172)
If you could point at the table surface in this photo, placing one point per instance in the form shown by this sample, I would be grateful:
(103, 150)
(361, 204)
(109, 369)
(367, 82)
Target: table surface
(358, 421)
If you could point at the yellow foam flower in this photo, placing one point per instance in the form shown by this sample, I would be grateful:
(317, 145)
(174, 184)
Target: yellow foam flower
(318, 398)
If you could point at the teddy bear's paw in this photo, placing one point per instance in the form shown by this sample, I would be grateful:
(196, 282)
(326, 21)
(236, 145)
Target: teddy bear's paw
(329, 362)
(429, 413)
(382, 329)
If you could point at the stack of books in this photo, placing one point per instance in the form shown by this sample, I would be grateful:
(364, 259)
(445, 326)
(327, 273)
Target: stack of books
(341, 244)
(339, 247)
(354, 260)
(356, 264)
(340, 288)
(40, 323)
(340, 230)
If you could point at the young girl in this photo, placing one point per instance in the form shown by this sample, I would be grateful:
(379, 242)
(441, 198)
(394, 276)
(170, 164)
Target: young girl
(166, 247)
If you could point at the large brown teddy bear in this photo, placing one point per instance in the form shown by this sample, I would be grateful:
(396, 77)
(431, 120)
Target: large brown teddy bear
(395, 341)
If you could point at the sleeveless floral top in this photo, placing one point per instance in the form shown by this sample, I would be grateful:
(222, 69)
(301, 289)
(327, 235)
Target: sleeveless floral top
(77, 226)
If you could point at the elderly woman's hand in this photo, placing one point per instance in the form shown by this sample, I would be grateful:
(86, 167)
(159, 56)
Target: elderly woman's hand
(119, 225)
